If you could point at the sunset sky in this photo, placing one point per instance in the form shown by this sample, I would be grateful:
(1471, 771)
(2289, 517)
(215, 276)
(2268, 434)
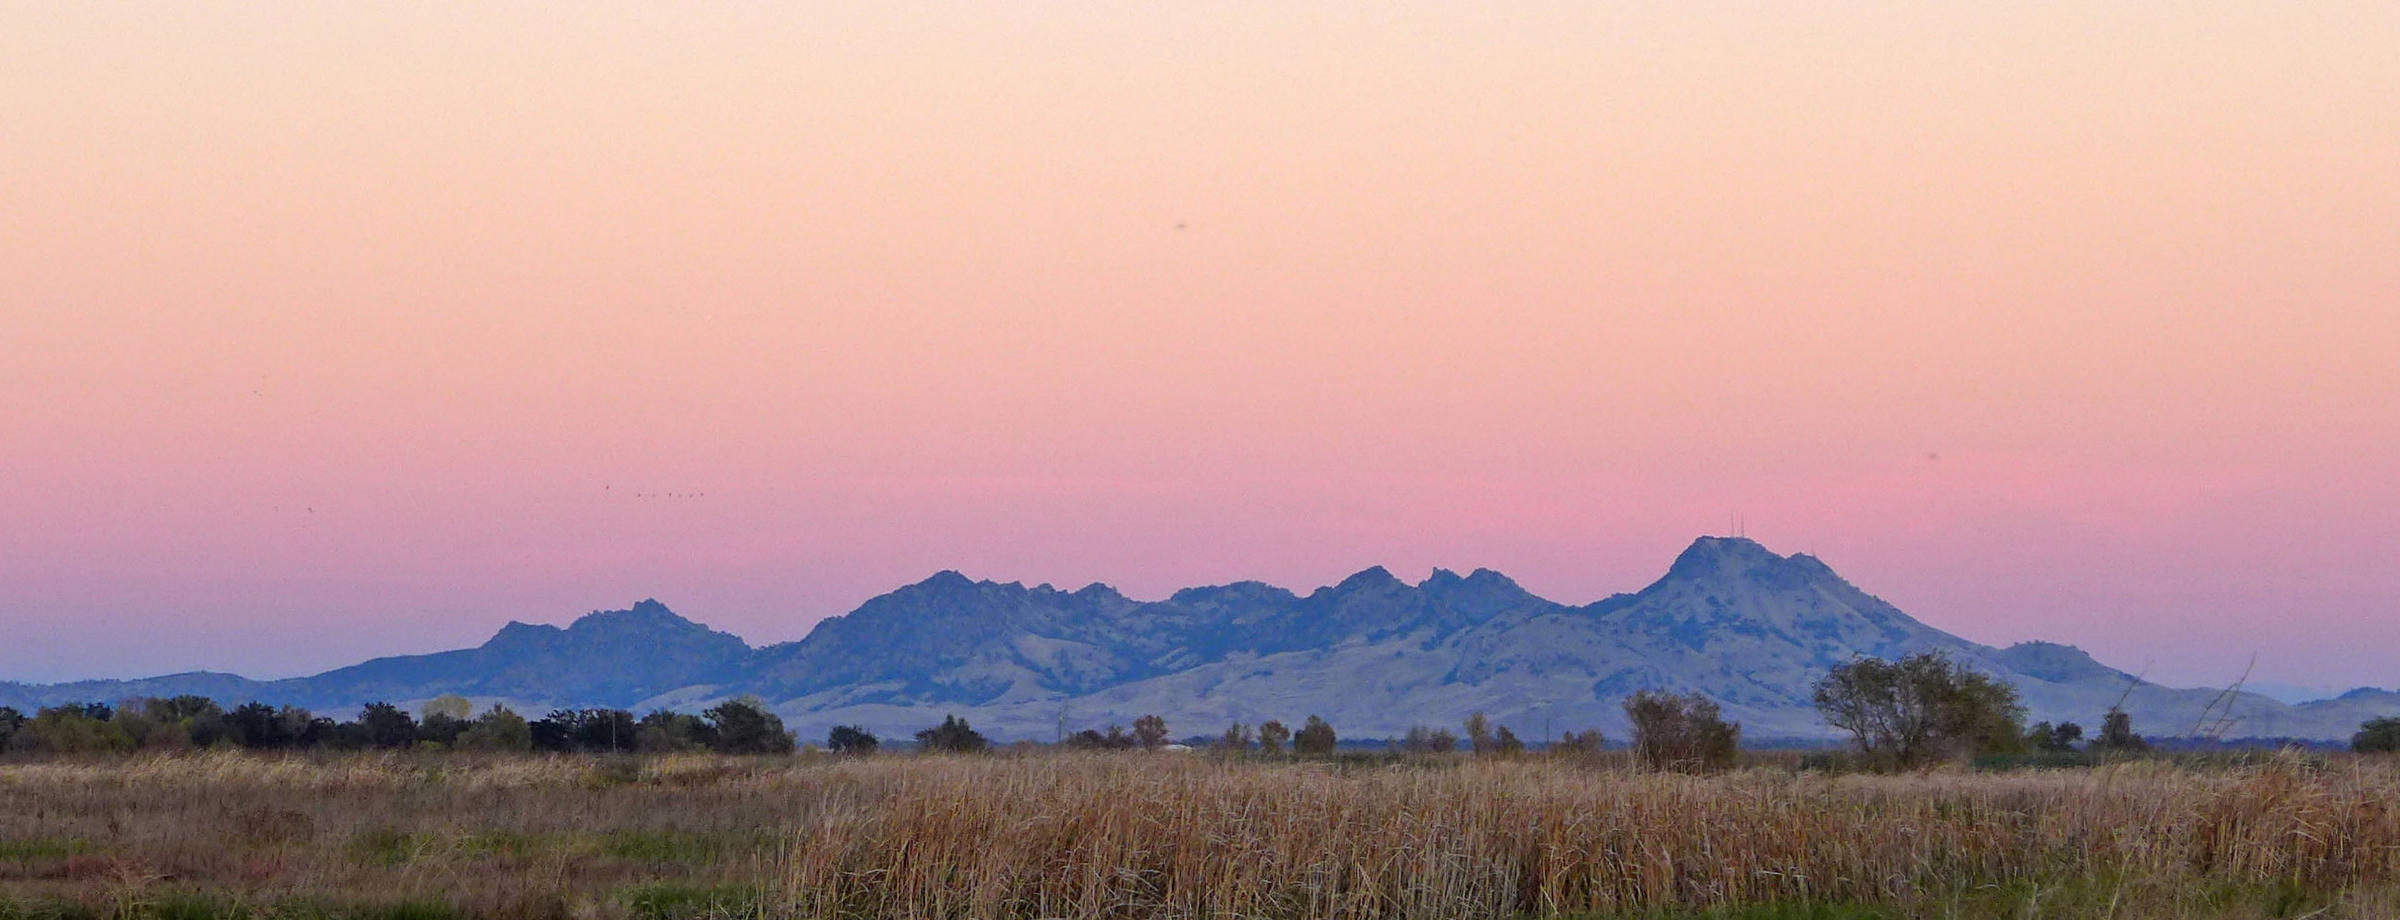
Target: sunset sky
(333, 330)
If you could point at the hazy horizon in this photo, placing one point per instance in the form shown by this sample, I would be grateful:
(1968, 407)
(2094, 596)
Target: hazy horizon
(346, 331)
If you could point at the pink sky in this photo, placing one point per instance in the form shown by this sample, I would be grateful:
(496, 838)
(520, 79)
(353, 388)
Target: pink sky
(330, 331)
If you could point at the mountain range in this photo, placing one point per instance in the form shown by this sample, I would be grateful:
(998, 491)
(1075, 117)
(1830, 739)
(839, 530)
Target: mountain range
(1373, 654)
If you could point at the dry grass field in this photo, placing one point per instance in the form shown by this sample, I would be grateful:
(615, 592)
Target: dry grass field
(1132, 835)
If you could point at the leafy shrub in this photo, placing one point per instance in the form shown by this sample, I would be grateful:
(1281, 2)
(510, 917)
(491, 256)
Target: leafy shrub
(1921, 709)
(1271, 736)
(954, 736)
(852, 739)
(1681, 732)
(2377, 736)
(1315, 738)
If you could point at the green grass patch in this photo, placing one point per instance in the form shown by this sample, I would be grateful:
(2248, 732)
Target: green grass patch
(662, 846)
(13, 909)
(612, 772)
(676, 901)
(25, 849)
(503, 844)
(385, 846)
(1790, 910)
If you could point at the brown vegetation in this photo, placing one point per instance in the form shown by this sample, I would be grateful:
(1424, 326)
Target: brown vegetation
(1138, 835)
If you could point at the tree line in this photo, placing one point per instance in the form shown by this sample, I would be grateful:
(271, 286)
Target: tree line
(445, 723)
(1900, 714)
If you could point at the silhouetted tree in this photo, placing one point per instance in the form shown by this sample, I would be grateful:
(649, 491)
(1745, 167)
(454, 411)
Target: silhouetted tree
(1271, 736)
(442, 729)
(387, 726)
(2054, 739)
(1150, 732)
(665, 730)
(448, 704)
(1479, 734)
(953, 736)
(1115, 739)
(1681, 732)
(1588, 741)
(10, 721)
(2116, 734)
(553, 732)
(1315, 738)
(2377, 736)
(348, 736)
(1506, 742)
(594, 730)
(1236, 739)
(308, 729)
(500, 730)
(852, 739)
(744, 726)
(1427, 740)
(259, 726)
(1920, 709)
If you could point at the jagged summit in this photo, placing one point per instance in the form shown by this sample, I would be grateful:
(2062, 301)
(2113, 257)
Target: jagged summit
(1482, 594)
(1373, 577)
(646, 614)
(947, 580)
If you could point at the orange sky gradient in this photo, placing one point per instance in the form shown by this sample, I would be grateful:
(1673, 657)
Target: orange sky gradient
(338, 330)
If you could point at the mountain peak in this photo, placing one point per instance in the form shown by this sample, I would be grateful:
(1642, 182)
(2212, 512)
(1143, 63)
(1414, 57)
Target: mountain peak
(1713, 554)
(1370, 577)
(2055, 662)
(946, 578)
(947, 583)
(647, 615)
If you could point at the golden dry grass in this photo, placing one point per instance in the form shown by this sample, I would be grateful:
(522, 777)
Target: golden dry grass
(1132, 835)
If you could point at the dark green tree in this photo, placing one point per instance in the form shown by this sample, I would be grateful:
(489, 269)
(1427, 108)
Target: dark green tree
(745, 726)
(1588, 741)
(1921, 709)
(851, 739)
(259, 726)
(1314, 739)
(593, 730)
(1115, 739)
(1235, 740)
(2054, 739)
(1507, 742)
(197, 719)
(87, 728)
(499, 730)
(1479, 734)
(1271, 736)
(1425, 739)
(952, 736)
(387, 726)
(2377, 736)
(666, 731)
(1683, 732)
(443, 729)
(2116, 734)
(1150, 732)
